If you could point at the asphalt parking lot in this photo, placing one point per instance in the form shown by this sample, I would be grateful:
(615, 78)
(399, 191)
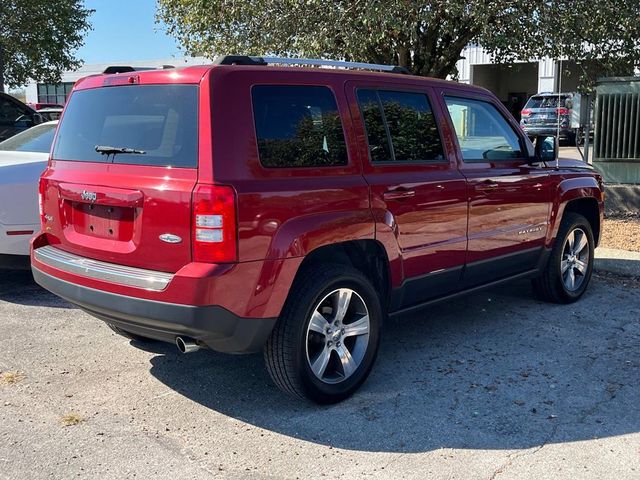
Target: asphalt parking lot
(496, 385)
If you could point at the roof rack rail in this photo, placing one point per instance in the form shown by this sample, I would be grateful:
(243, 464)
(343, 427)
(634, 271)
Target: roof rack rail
(247, 60)
(111, 69)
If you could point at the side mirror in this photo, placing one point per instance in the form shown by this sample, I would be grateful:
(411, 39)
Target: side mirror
(547, 148)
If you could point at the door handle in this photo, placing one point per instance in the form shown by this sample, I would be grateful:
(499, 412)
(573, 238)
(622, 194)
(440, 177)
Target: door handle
(487, 185)
(398, 194)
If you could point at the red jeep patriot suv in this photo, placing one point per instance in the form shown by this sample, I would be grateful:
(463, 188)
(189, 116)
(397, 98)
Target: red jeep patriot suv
(244, 207)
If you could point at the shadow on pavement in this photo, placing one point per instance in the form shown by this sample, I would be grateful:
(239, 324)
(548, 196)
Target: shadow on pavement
(18, 286)
(493, 371)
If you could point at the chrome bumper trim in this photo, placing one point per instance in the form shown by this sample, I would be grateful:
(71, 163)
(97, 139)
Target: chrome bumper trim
(109, 272)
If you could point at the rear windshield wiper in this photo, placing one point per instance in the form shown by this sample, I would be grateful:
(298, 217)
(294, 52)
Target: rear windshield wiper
(107, 150)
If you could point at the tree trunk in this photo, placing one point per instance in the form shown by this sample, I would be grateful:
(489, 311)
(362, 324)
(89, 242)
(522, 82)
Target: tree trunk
(1, 69)
(404, 58)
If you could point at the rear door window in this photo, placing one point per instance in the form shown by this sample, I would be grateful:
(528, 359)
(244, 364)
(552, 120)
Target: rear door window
(298, 126)
(400, 127)
(159, 120)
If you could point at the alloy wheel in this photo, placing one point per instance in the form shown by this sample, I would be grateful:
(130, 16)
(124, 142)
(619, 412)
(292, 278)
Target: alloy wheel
(337, 335)
(575, 259)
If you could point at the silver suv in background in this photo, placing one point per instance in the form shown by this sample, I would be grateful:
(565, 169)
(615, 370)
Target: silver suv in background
(542, 113)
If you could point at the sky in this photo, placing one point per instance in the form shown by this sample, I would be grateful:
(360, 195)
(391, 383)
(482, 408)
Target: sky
(125, 30)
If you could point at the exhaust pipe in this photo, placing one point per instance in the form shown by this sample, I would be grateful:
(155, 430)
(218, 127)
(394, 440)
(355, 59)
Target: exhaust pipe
(186, 345)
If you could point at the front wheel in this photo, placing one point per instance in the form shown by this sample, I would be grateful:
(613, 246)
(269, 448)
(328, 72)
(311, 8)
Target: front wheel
(568, 271)
(326, 340)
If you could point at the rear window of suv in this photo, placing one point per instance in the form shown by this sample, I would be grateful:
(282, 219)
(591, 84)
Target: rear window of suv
(159, 120)
(546, 102)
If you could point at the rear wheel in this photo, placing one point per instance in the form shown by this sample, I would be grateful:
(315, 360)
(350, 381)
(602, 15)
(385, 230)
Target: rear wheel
(568, 271)
(326, 340)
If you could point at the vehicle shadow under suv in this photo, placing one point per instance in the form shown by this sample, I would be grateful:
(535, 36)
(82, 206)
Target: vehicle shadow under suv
(496, 370)
(18, 286)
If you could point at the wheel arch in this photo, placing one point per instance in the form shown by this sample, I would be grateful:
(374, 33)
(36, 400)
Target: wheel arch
(367, 256)
(588, 208)
(581, 195)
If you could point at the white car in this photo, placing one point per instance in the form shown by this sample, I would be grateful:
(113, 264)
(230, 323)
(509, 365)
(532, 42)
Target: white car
(23, 158)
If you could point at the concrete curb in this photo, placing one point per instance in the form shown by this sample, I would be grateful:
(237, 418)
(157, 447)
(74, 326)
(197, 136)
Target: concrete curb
(621, 262)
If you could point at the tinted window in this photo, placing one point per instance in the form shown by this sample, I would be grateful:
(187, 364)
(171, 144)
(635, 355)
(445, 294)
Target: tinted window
(161, 120)
(483, 133)
(374, 124)
(36, 139)
(546, 102)
(409, 122)
(298, 126)
(11, 112)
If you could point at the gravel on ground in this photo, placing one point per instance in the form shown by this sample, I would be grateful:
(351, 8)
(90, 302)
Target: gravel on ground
(621, 232)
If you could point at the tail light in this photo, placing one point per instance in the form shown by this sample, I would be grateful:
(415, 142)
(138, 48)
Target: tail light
(525, 113)
(41, 188)
(215, 234)
(562, 111)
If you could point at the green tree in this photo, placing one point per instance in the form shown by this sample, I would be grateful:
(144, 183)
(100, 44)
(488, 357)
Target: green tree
(602, 36)
(427, 37)
(38, 39)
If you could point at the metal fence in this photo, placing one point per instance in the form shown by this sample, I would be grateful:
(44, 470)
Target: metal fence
(616, 150)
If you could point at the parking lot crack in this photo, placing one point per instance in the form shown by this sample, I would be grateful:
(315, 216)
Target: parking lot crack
(522, 454)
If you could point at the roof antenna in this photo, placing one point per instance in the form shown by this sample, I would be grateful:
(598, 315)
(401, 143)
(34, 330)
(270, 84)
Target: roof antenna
(557, 140)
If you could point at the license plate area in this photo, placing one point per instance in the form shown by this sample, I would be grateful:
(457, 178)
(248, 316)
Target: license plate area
(103, 221)
(543, 119)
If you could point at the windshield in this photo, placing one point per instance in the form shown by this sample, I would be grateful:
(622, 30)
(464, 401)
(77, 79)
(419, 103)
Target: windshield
(546, 102)
(161, 120)
(36, 139)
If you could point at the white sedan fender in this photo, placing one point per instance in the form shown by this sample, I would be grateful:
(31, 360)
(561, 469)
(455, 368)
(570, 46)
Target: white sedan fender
(19, 217)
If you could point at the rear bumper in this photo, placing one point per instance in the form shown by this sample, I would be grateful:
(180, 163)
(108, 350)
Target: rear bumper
(547, 130)
(212, 325)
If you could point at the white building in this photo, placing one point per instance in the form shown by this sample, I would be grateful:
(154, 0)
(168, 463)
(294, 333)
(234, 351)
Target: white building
(36, 92)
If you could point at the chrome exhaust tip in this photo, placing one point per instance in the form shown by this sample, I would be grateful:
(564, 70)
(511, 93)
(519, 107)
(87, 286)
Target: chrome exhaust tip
(186, 345)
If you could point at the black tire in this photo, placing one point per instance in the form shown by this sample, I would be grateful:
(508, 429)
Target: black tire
(286, 352)
(129, 335)
(550, 286)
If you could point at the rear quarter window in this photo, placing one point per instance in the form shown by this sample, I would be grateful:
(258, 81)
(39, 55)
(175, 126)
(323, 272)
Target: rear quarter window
(298, 126)
(160, 120)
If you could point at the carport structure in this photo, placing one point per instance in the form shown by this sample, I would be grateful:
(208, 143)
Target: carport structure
(512, 83)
